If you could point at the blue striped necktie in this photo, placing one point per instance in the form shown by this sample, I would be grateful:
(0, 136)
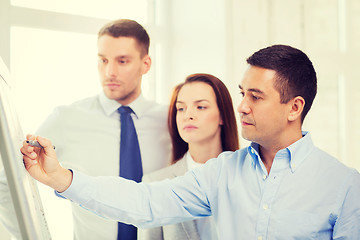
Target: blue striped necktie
(130, 163)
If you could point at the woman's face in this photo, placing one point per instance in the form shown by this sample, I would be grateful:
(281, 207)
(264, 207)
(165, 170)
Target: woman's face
(198, 117)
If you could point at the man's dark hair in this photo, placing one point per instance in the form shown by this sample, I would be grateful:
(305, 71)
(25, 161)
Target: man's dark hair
(295, 74)
(127, 28)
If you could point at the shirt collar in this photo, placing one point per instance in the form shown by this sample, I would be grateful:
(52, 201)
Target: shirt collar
(253, 150)
(110, 106)
(299, 150)
(296, 152)
(191, 162)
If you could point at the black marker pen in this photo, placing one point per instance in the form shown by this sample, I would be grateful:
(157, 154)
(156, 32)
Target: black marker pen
(35, 143)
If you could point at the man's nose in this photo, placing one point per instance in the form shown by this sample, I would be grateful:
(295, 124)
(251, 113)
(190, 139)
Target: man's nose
(244, 107)
(111, 70)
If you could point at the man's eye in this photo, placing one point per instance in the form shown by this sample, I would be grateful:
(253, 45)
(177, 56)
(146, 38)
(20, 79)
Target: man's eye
(242, 94)
(255, 97)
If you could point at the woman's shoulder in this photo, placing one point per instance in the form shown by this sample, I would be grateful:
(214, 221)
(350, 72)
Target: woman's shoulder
(177, 169)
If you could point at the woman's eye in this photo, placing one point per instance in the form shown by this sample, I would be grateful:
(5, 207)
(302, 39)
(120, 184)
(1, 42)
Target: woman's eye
(201, 107)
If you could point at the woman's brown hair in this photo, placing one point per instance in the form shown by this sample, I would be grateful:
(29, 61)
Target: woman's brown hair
(229, 131)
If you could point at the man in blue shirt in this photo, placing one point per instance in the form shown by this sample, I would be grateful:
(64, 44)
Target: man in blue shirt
(280, 187)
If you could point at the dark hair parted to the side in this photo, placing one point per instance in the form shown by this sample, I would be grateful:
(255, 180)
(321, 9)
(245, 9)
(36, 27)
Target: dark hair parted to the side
(295, 74)
(229, 131)
(127, 28)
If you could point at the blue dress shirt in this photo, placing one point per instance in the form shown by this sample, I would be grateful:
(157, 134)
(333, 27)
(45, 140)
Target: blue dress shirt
(307, 195)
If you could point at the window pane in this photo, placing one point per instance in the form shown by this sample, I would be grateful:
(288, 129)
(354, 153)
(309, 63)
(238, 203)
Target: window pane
(107, 9)
(51, 68)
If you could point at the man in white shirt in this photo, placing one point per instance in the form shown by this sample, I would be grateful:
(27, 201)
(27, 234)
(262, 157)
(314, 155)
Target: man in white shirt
(86, 126)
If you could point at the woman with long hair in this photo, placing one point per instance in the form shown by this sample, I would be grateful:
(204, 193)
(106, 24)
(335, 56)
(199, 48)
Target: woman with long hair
(202, 125)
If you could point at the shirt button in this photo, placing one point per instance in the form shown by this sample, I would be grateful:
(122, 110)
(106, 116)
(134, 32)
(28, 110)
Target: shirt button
(265, 207)
(252, 151)
(264, 176)
(259, 238)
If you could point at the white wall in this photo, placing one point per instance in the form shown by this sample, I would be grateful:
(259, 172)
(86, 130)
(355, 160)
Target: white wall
(198, 38)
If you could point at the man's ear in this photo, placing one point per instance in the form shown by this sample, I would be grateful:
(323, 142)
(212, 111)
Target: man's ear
(146, 64)
(296, 108)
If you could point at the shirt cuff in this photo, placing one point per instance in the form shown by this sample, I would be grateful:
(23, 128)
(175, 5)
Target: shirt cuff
(73, 192)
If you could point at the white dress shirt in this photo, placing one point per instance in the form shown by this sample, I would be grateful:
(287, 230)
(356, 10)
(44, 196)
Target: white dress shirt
(87, 138)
